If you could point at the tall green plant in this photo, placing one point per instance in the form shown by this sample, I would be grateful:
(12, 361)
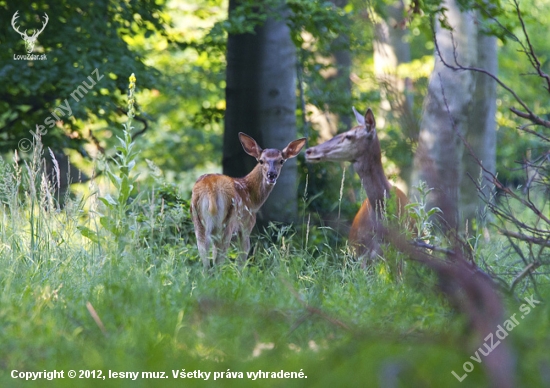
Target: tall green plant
(117, 218)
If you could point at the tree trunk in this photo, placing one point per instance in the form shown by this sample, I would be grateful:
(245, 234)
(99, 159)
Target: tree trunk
(438, 160)
(241, 95)
(261, 101)
(391, 49)
(277, 100)
(481, 129)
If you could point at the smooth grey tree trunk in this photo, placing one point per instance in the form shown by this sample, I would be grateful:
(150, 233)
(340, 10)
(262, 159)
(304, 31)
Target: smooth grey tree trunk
(438, 160)
(277, 99)
(392, 49)
(261, 101)
(468, 109)
(481, 130)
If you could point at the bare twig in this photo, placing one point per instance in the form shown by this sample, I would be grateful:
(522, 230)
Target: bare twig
(473, 293)
(526, 271)
(520, 236)
(531, 51)
(96, 318)
(492, 177)
(522, 256)
(530, 115)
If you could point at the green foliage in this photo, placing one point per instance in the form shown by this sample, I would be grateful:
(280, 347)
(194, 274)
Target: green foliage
(303, 302)
(69, 301)
(117, 208)
(322, 19)
(80, 37)
(166, 222)
(188, 101)
(515, 70)
(423, 217)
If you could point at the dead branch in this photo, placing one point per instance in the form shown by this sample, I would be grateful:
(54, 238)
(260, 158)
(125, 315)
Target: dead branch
(530, 115)
(471, 291)
(493, 178)
(520, 236)
(531, 267)
(531, 51)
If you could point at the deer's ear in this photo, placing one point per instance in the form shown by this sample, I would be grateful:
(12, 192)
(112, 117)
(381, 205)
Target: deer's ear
(358, 116)
(370, 123)
(250, 146)
(293, 148)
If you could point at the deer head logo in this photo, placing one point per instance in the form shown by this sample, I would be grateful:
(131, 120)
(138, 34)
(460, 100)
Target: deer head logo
(29, 40)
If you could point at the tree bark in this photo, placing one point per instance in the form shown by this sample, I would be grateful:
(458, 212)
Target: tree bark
(481, 129)
(242, 104)
(438, 160)
(277, 100)
(261, 101)
(391, 49)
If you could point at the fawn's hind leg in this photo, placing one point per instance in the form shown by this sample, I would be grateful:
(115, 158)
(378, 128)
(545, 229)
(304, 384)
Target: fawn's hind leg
(224, 242)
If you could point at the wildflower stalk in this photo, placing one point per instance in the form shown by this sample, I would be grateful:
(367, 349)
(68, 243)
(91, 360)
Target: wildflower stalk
(117, 219)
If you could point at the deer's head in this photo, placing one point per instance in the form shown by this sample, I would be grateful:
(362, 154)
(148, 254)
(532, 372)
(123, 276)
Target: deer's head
(29, 40)
(359, 142)
(271, 160)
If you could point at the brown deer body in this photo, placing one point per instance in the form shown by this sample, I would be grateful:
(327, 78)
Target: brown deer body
(361, 146)
(222, 206)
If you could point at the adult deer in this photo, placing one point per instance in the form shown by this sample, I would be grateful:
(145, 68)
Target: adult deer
(360, 145)
(222, 206)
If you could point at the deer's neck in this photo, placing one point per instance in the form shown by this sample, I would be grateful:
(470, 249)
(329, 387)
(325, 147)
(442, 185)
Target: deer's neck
(370, 170)
(256, 189)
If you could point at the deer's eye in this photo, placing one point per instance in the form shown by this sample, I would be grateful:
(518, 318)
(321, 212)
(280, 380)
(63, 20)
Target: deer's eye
(348, 137)
(282, 161)
(261, 161)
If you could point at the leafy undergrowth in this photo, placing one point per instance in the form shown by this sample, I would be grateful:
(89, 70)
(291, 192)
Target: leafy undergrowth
(281, 313)
(70, 303)
(111, 282)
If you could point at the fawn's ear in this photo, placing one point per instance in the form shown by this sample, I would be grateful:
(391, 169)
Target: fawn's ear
(293, 148)
(250, 146)
(358, 116)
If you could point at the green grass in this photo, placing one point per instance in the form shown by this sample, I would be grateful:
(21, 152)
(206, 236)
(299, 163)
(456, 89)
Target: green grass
(294, 308)
(111, 281)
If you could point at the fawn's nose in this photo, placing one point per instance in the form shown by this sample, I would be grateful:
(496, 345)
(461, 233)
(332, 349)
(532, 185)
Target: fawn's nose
(272, 175)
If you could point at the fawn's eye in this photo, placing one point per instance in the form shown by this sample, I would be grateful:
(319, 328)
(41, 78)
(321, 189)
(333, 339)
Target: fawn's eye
(261, 161)
(282, 161)
(348, 137)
